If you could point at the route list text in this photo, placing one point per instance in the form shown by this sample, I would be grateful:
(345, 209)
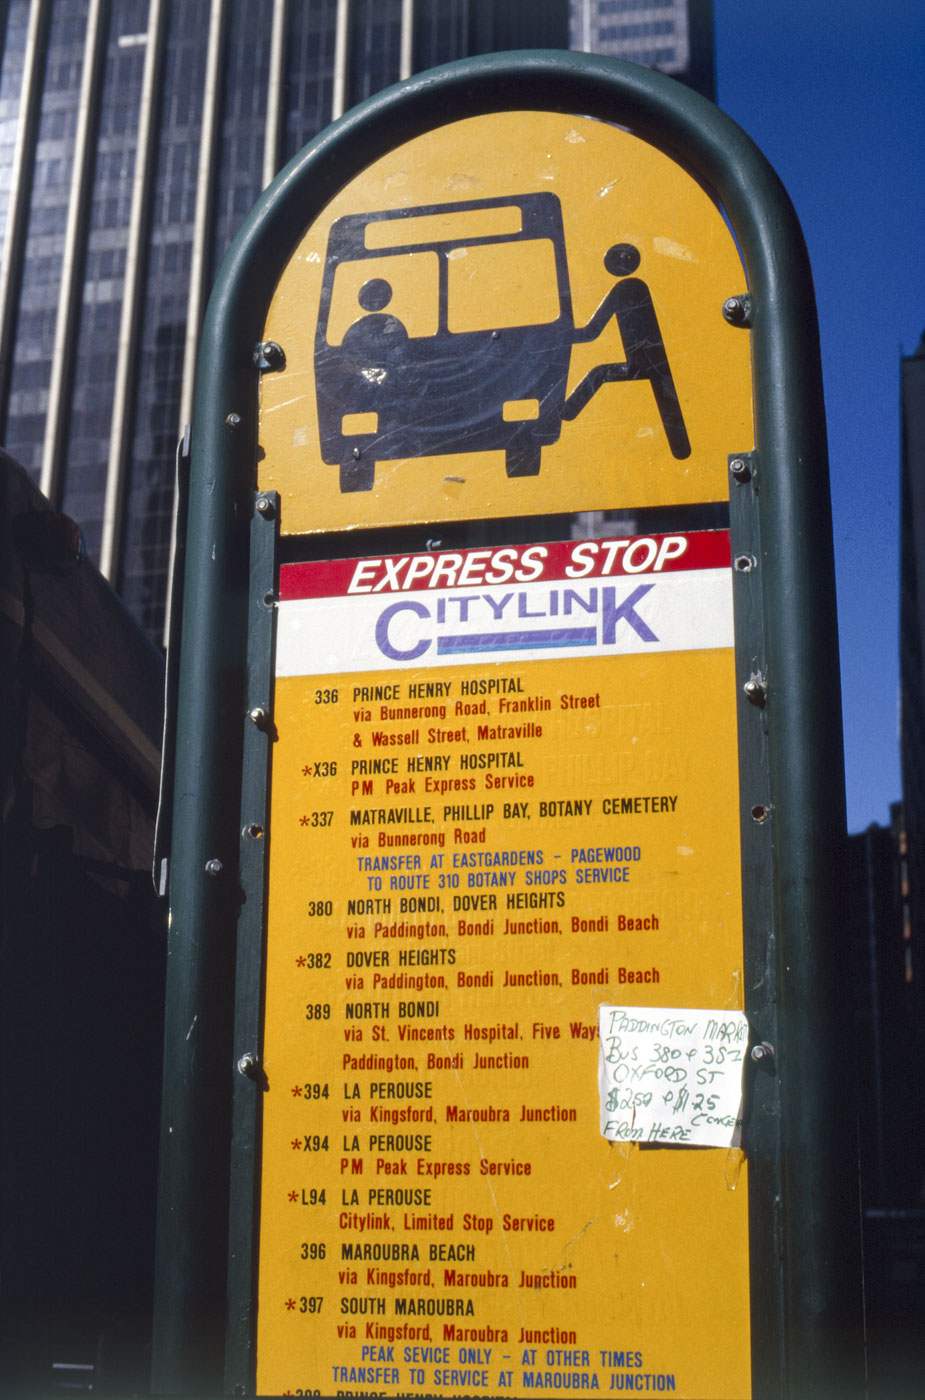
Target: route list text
(467, 862)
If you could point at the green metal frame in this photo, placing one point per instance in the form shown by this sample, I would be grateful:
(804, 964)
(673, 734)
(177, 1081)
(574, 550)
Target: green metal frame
(805, 1252)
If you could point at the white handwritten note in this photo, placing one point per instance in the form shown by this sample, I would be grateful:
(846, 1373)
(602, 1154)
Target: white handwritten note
(671, 1075)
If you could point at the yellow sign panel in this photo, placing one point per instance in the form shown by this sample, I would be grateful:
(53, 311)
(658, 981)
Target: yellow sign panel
(500, 308)
(475, 848)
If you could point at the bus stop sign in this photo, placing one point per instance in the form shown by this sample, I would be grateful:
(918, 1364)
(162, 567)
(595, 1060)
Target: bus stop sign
(501, 310)
(504, 936)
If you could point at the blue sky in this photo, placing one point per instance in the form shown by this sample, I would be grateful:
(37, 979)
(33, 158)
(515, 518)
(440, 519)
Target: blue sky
(833, 92)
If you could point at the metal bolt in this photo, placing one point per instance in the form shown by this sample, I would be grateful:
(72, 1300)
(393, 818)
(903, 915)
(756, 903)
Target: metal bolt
(755, 690)
(254, 830)
(233, 420)
(248, 1065)
(264, 507)
(737, 310)
(269, 355)
(740, 469)
(764, 1051)
(213, 867)
(357, 454)
(259, 716)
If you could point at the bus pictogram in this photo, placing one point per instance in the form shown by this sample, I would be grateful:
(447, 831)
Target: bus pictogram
(448, 328)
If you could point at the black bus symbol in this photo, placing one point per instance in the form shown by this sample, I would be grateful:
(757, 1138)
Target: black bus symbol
(448, 328)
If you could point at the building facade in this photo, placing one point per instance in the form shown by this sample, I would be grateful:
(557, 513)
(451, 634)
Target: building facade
(880, 982)
(134, 138)
(912, 631)
(674, 36)
(912, 708)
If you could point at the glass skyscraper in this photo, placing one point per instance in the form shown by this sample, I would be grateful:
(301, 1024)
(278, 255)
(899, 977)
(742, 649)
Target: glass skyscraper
(675, 36)
(134, 137)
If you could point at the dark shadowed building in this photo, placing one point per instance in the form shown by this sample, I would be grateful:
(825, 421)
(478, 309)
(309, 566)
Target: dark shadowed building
(134, 138)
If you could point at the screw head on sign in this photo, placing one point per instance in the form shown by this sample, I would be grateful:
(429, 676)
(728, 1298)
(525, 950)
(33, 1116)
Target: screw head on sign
(735, 310)
(754, 691)
(273, 357)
